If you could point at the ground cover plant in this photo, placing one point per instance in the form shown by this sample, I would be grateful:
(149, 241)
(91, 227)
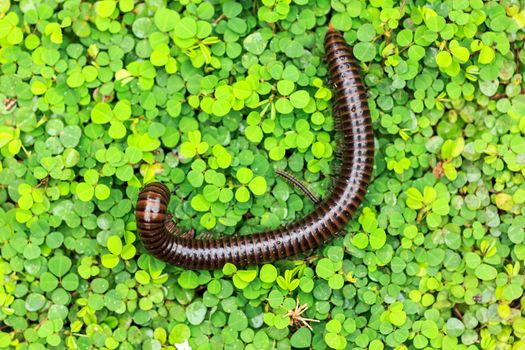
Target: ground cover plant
(210, 97)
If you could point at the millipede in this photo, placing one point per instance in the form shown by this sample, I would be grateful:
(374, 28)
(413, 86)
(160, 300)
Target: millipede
(165, 241)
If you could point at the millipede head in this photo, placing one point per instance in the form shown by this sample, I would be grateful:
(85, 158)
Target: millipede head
(152, 206)
(155, 189)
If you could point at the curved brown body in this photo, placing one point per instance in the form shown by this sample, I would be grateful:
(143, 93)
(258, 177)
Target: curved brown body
(325, 222)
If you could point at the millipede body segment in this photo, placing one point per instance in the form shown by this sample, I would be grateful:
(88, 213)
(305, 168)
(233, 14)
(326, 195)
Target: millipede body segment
(157, 231)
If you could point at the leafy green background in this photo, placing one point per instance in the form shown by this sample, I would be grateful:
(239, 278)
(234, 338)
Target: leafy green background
(98, 98)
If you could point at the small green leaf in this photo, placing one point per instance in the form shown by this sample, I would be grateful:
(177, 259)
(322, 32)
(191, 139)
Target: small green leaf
(101, 113)
(301, 339)
(142, 277)
(299, 99)
(486, 55)
(85, 191)
(109, 260)
(258, 185)
(444, 59)
(114, 245)
(59, 265)
(486, 272)
(461, 54)
(185, 28)
(105, 8)
(200, 203)
(268, 273)
(365, 52)
(244, 175)
(242, 194)
(165, 19)
(188, 280)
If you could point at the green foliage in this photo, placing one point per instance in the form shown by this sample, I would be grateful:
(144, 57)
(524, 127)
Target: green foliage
(98, 98)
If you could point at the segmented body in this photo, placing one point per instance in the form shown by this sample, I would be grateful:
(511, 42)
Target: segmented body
(328, 219)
